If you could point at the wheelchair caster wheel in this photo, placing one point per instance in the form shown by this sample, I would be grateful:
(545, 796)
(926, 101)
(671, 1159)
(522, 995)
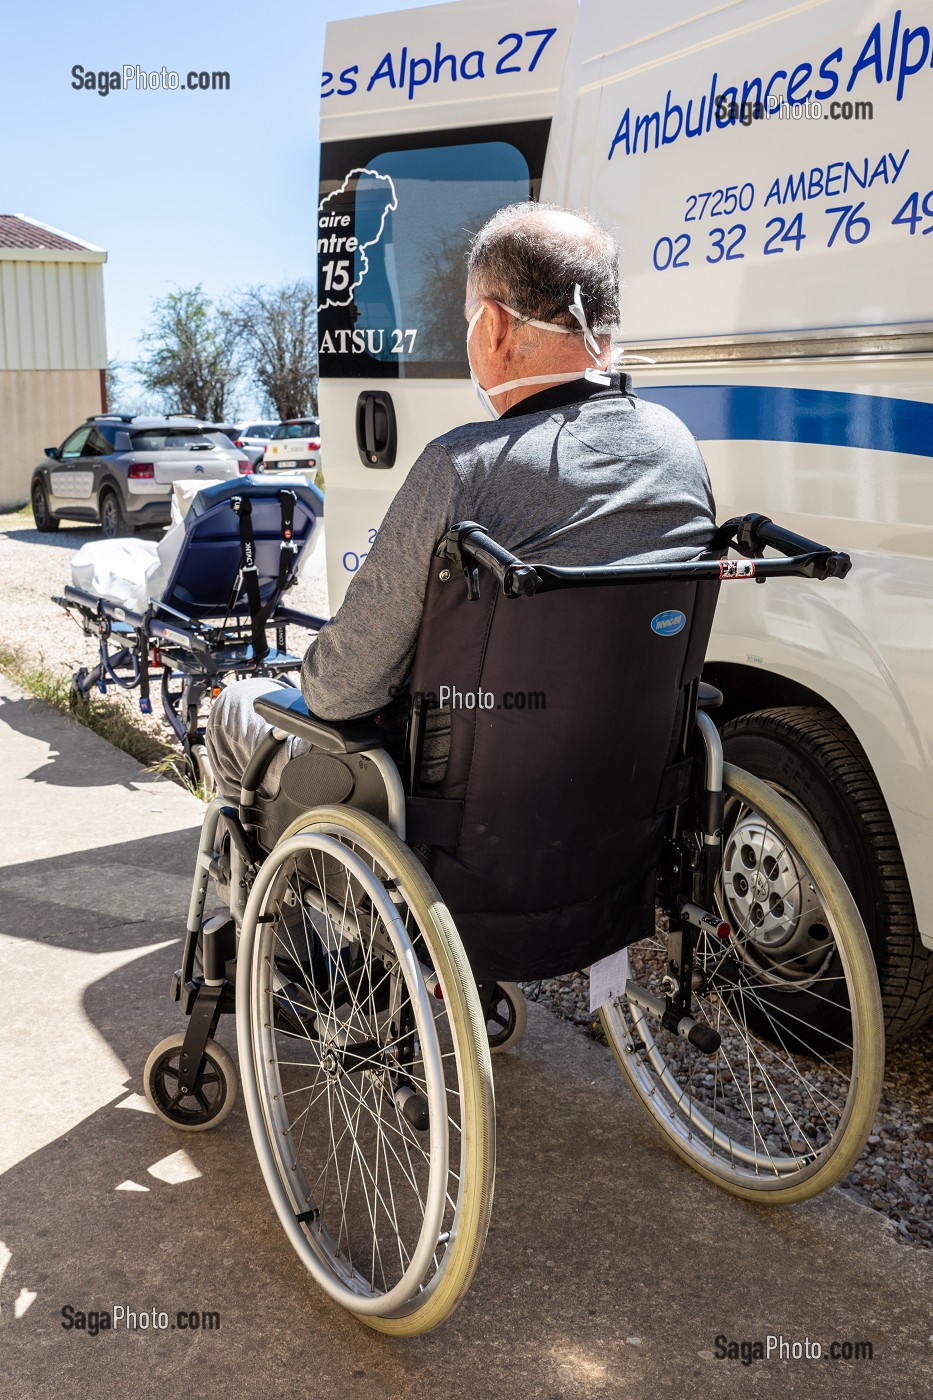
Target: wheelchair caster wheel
(208, 1104)
(506, 1016)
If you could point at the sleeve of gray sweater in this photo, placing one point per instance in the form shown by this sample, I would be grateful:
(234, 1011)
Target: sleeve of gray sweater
(367, 649)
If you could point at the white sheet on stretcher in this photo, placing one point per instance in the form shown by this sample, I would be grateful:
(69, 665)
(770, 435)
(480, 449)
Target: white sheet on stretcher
(131, 571)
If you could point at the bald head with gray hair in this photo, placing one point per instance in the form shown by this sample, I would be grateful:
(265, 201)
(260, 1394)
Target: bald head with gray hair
(533, 256)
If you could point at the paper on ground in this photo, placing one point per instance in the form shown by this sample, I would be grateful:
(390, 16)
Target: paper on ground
(608, 978)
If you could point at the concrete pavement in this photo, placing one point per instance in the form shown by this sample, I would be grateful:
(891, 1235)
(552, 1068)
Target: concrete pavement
(610, 1268)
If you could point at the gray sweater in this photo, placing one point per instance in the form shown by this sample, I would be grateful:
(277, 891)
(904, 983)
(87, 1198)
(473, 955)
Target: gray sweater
(581, 474)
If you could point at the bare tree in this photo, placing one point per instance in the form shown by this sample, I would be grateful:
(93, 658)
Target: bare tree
(193, 357)
(113, 385)
(279, 338)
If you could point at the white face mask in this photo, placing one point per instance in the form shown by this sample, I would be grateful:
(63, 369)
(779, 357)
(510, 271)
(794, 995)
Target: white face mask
(486, 396)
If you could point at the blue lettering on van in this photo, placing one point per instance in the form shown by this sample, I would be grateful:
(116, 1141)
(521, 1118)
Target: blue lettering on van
(836, 178)
(668, 624)
(352, 561)
(407, 72)
(891, 56)
(347, 82)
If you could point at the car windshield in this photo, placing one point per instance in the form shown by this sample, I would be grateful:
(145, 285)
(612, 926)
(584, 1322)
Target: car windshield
(308, 427)
(260, 430)
(177, 440)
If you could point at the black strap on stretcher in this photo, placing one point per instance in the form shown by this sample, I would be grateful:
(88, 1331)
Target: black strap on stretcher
(258, 614)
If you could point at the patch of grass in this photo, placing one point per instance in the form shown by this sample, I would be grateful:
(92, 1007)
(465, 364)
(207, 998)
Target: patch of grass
(105, 717)
(173, 766)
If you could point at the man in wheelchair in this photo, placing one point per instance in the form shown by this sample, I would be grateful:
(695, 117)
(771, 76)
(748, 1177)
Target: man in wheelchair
(380, 885)
(574, 470)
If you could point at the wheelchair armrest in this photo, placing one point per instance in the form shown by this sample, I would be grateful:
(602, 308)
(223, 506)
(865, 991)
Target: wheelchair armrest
(285, 708)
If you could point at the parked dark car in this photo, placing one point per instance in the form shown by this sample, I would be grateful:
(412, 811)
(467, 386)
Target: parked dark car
(249, 445)
(253, 436)
(117, 470)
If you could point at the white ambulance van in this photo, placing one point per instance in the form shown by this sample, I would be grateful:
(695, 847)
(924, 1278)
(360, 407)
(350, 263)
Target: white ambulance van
(768, 170)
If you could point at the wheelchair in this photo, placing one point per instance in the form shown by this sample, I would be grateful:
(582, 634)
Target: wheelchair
(241, 548)
(376, 925)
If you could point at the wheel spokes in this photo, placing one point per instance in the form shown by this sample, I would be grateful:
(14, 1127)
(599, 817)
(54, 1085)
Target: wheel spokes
(354, 1156)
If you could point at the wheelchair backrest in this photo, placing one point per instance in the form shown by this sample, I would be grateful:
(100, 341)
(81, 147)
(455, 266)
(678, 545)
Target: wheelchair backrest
(204, 575)
(566, 713)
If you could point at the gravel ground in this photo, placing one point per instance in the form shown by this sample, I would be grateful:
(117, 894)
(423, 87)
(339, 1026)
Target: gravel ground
(894, 1174)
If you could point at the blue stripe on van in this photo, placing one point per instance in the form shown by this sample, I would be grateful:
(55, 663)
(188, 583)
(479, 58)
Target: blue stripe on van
(715, 412)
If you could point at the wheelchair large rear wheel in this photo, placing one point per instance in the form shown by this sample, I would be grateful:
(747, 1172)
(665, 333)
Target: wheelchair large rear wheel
(783, 1108)
(366, 1072)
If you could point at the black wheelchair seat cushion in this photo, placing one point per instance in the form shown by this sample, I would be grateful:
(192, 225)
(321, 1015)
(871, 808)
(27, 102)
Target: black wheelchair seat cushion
(559, 763)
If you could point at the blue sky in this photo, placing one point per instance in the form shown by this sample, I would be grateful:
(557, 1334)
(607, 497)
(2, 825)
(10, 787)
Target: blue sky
(179, 187)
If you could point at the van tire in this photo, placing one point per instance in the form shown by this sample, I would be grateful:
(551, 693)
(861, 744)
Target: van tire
(812, 757)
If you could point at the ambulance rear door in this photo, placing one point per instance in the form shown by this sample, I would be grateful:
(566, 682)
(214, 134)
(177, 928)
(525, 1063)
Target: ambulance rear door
(431, 120)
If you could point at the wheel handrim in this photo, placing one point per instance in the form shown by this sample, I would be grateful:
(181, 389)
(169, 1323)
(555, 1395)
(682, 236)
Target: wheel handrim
(762, 1113)
(407, 1194)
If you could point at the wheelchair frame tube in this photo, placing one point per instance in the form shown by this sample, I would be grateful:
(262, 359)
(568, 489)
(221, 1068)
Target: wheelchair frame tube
(201, 880)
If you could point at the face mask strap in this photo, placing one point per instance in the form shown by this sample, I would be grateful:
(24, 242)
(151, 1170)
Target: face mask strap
(487, 395)
(579, 315)
(536, 379)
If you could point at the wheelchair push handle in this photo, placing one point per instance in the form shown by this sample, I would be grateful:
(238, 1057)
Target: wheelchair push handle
(749, 534)
(469, 546)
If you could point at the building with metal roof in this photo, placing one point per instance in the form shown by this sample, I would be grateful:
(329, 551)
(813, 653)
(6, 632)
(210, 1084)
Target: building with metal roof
(53, 347)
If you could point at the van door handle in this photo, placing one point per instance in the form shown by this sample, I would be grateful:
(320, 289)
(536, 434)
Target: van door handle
(376, 434)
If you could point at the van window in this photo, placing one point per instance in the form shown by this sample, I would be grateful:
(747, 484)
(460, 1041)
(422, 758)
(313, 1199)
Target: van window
(394, 223)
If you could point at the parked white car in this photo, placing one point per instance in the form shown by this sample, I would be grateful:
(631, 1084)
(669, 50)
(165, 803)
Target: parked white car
(295, 445)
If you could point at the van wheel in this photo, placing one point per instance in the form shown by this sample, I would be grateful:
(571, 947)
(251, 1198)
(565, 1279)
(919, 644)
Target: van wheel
(113, 523)
(814, 760)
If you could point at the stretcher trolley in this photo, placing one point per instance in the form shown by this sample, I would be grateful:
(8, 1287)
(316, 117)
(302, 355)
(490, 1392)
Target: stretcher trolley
(217, 581)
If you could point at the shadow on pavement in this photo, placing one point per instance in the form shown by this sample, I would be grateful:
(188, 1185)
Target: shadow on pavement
(609, 1270)
(62, 767)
